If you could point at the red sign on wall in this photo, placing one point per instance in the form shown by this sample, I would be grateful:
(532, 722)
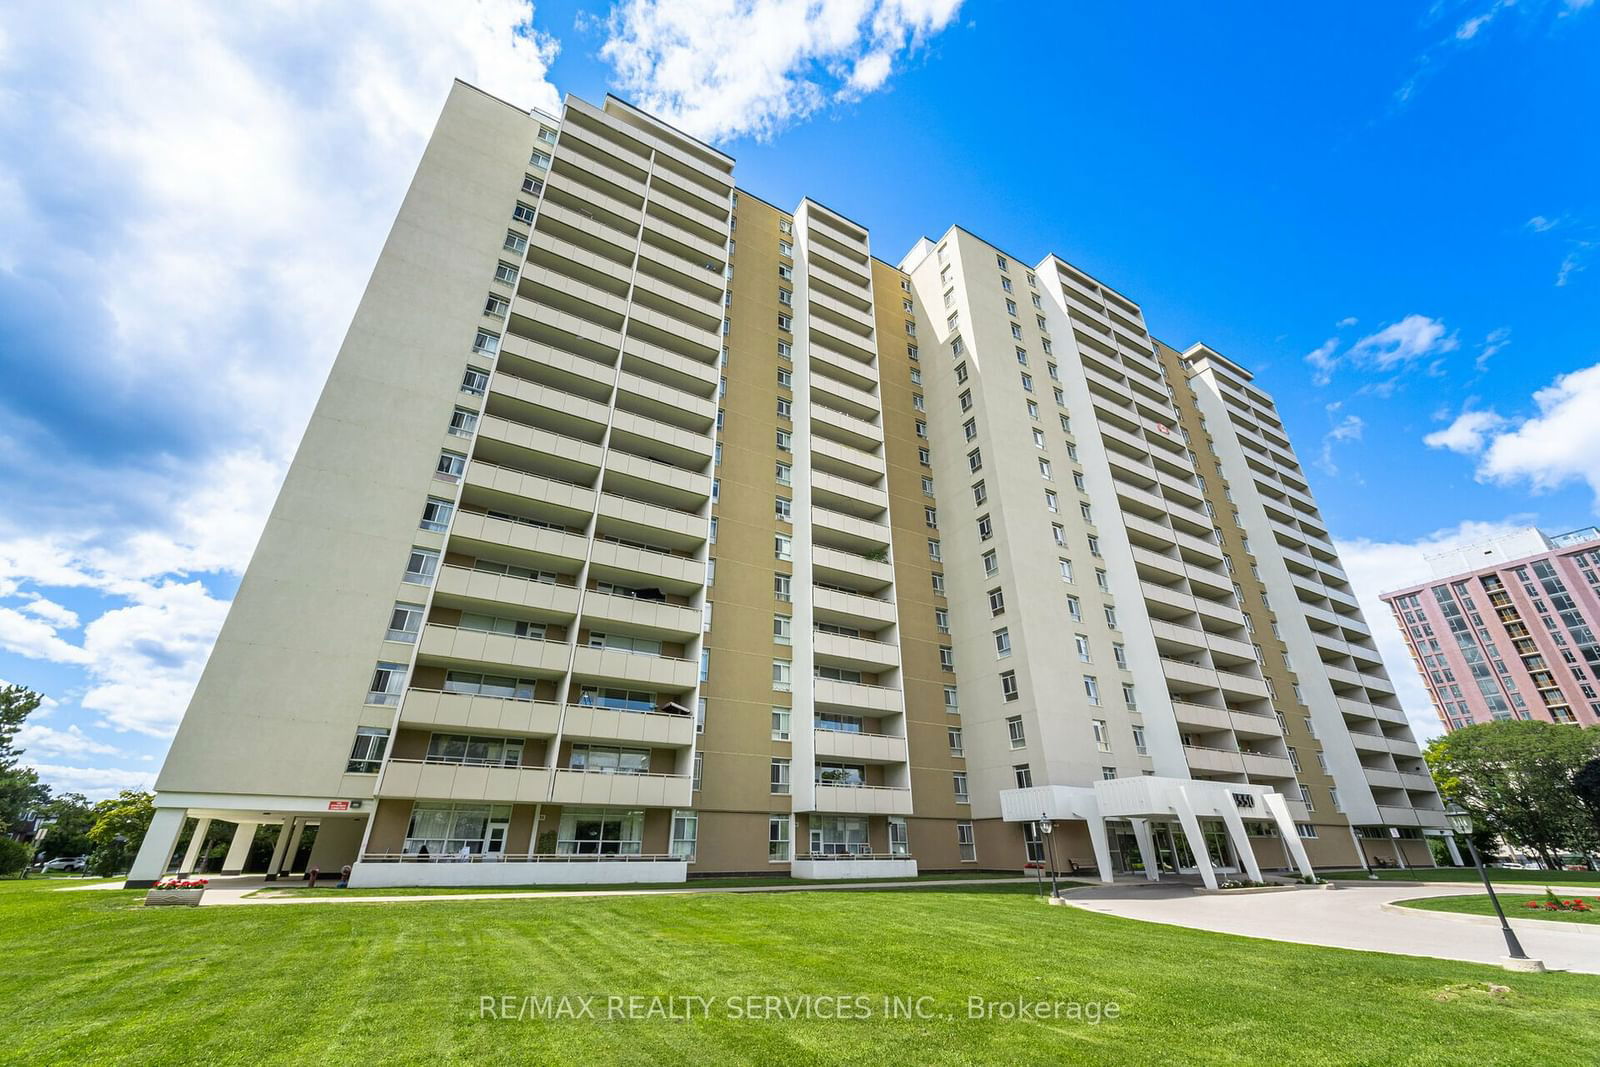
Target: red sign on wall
(338, 805)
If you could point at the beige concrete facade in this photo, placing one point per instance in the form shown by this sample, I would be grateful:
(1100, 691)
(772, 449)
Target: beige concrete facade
(646, 529)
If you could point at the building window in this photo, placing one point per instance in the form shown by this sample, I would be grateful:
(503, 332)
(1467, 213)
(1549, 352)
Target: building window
(1014, 729)
(997, 602)
(778, 837)
(985, 528)
(785, 408)
(1008, 685)
(947, 658)
(965, 846)
(1128, 698)
(785, 441)
(388, 680)
(1074, 609)
(436, 515)
(366, 755)
(421, 566)
(1082, 643)
(783, 547)
(1002, 643)
(1091, 689)
(933, 550)
(515, 242)
(780, 776)
(780, 724)
(980, 493)
(1102, 734)
(450, 467)
(1138, 741)
(991, 564)
(782, 509)
(405, 622)
(1058, 533)
(1120, 654)
(959, 781)
(1023, 775)
(782, 676)
(474, 382)
(951, 699)
(1052, 503)
(941, 620)
(685, 829)
(463, 421)
(782, 630)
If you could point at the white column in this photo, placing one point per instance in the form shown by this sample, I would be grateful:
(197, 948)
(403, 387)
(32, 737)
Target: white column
(278, 847)
(294, 846)
(1241, 843)
(1361, 850)
(192, 853)
(1289, 832)
(1147, 849)
(1455, 853)
(1197, 840)
(155, 852)
(243, 834)
(1102, 848)
(1398, 854)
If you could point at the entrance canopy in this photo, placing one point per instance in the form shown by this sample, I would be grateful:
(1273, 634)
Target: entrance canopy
(1146, 798)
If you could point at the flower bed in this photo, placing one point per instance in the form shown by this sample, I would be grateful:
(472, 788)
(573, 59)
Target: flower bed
(175, 892)
(1551, 902)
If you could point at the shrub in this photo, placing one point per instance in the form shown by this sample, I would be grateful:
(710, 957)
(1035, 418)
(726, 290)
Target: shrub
(14, 857)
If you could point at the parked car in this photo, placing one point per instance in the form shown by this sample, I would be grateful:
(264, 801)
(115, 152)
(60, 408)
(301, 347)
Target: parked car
(66, 863)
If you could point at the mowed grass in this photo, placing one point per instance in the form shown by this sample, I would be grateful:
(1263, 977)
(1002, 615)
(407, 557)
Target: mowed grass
(90, 977)
(292, 889)
(1497, 875)
(1515, 905)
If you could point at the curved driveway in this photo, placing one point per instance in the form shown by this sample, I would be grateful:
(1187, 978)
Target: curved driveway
(1352, 916)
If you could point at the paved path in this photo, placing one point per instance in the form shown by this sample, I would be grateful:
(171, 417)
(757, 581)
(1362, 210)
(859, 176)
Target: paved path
(228, 892)
(1353, 916)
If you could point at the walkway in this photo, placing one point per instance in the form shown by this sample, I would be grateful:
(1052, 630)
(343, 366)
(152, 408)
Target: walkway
(1355, 916)
(226, 892)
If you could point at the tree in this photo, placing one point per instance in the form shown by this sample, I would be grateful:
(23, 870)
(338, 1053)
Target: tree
(1586, 783)
(1517, 779)
(69, 818)
(14, 856)
(119, 828)
(20, 790)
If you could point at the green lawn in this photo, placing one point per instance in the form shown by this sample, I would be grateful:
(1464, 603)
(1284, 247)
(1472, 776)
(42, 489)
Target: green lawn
(293, 889)
(1515, 905)
(1497, 875)
(90, 977)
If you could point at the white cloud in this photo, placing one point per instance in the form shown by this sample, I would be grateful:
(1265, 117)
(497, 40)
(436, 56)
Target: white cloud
(1467, 434)
(1498, 338)
(95, 783)
(1383, 566)
(1322, 361)
(721, 69)
(1576, 259)
(1540, 224)
(36, 639)
(1348, 320)
(1349, 428)
(35, 740)
(1557, 446)
(1406, 341)
(57, 615)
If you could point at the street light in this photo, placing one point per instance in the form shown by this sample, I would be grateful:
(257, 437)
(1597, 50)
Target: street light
(1045, 827)
(1461, 823)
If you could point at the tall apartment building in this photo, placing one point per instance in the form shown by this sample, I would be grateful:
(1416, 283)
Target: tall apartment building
(646, 529)
(1505, 630)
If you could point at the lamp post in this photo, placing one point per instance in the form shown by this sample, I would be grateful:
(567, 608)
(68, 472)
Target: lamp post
(1045, 827)
(1461, 823)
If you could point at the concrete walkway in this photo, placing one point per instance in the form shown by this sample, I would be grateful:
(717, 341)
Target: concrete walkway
(228, 892)
(1355, 916)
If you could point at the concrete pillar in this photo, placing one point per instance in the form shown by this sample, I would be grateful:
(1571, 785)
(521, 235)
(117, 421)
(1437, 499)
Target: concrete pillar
(1361, 850)
(1197, 839)
(1102, 848)
(192, 854)
(1147, 849)
(1241, 843)
(155, 852)
(1455, 853)
(239, 851)
(1399, 853)
(278, 847)
(1289, 833)
(294, 846)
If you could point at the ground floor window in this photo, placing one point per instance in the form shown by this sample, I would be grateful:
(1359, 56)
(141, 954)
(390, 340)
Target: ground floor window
(685, 832)
(965, 845)
(600, 832)
(778, 837)
(899, 840)
(837, 835)
(1033, 842)
(445, 830)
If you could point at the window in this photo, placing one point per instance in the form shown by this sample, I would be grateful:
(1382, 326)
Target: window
(436, 515)
(786, 272)
(1086, 511)
(463, 421)
(785, 407)
(980, 493)
(921, 429)
(938, 584)
(965, 845)
(985, 528)
(1120, 654)
(1138, 741)
(927, 485)
(1022, 353)
(951, 699)
(1023, 775)
(1038, 437)
(1128, 697)
(1101, 580)
(782, 630)
(941, 620)
(450, 466)
(1077, 481)
(1051, 503)
(785, 249)
(782, 547)
(474, 381)
(975, 460)
(685, 828)
(515, 242)
(997, 602)
(961, 373)
(522, 212)
(1111, 616)
(1000, 261)
(778, 836)
(965, 399)
(1074, 609)
(924, 457)
(388, 679)
(785, 473)
(505, 273)
(1058, 533)
(1008, 685)
(959, 781)
(786, 322)
(1002, 643)
(782, 508)
(968, 428)
(421, 567)
(918, 402)
(991, 564)
(947, 658)
(366, 754)
(780, 724)
(1091, 689)
(1011, 307)
(1108, 773)
(1005, 284)
(495, 304)
(1082, 643)
(1014, 730)
(782, 677)
(1033, 410)
(405, 622)
(1016, 331)
(1305, 798)
(930, 518)
(785, 350)
(933, 550)
(780, 776)
(785, 297)
(785, 441)
(1027, 383)
(785, 378)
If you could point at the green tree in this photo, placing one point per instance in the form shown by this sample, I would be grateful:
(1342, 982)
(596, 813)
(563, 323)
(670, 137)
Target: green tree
(1516, 778)
(119, 827)
(14, 856)
(70, 818)
(1586, 783)
(20, 790)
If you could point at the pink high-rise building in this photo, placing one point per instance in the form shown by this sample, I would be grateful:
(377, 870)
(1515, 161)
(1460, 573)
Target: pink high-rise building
(1506, 630)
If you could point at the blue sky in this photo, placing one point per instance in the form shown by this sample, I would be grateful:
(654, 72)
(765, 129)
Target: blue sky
(1388, 211)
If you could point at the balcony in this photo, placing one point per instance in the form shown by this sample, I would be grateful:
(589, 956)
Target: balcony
(453, 646)
(855, 653)
(567, 371)
(1262, 765)
(842, 368)
(633, 520)
(862, 799)
(1200, 716)
(845, 428)
(843, 460)
(590, 723)
(377, 870)
(686, 305)
(852, 609)
(842, 341)
(1242, 685)
(528, 544)
(838, 530)
(1401, 747)
(563, 329)
(665, 403)
(561, 291)
(629, 565)
(1213, 760)
(651, 617)
(846, 495)
(1183, 677)
(1251, 724)
(661, 441)
(856, 698)
(597, 789)
(841, 313)
(659, 328)
(839, 265)
(838, 567)
(863, 748)
(546, 407)
(842, 396)
(1416, 781)
(655, 482)
(850, 866)
(668, 367)
(618, 667)
(431, 708)
(420, 780)
(480, 588)
(1365, 742)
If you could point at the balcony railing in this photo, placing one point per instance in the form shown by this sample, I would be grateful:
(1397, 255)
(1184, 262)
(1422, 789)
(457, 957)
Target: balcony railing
(523, 857)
